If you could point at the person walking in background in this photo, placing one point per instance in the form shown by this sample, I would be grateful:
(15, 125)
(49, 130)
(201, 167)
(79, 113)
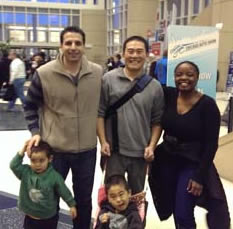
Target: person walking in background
(110, 64)
(38, 60)
(118, 61)
(138, 120)
(152, 69)
(40, 188)
(161, 69)
(61, 97)
(183, 174)
(4, 69)
(17, 78)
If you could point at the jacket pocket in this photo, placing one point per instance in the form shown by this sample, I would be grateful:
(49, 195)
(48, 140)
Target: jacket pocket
(63, 134)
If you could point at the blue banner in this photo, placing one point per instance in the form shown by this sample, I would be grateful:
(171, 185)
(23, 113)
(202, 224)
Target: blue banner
(198, 44)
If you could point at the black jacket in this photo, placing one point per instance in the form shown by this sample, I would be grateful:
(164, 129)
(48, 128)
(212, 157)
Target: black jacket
(128, 219)
(213, 198)
(5, 69)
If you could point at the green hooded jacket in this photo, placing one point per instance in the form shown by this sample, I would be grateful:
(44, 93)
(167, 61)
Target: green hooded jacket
(39, 193)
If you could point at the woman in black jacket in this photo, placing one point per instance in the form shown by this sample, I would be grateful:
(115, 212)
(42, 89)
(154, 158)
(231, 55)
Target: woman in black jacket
(183, 174)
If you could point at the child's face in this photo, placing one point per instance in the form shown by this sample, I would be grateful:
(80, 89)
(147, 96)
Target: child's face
(118, 197)
(39, 162)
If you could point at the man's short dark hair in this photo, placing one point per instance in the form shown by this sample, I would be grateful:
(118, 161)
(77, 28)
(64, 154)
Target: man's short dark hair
(136, 38)
(42, 147)
(116, 180)
(118, 56)
(40, 54)
(72, 29)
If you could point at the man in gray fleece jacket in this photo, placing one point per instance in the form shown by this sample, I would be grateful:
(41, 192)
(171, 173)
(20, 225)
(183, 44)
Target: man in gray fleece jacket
(61, 109)
(138, 122)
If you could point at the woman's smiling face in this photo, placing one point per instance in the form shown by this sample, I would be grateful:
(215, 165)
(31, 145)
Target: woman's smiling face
(186, 77)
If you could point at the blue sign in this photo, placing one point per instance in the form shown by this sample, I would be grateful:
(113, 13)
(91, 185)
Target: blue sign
(198, 44)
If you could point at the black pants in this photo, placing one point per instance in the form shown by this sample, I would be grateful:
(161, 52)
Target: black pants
(30, 223)
(82, 166)
(135, 167)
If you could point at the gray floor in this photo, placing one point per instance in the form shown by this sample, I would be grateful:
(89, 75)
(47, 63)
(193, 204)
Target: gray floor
(11, 218)
(12, 120)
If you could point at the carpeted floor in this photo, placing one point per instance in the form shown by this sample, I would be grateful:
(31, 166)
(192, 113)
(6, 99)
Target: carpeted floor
(12, 218)
(12, 120)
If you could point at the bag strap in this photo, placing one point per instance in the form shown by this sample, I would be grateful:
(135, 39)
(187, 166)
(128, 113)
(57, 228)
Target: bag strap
(112, 110)
(137, 88)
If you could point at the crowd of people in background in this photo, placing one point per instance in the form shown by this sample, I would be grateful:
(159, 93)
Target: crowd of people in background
(114, 62)
(15, 69)
(31, 64)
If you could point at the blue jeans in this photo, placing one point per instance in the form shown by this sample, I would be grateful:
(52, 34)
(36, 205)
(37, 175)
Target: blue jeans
(82, 166)
(18, 86)
(183, 202)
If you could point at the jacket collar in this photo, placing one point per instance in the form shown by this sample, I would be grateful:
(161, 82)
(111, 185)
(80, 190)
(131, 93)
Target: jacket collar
(131, 207)
(60, 68)
(123, 76)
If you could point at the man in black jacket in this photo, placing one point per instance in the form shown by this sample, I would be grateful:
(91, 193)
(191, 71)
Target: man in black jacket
(4, 69)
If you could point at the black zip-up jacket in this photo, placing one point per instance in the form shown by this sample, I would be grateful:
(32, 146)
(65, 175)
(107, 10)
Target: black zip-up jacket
(127, 219)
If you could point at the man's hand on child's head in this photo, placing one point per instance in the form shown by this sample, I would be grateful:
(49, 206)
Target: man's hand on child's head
(104, 218)
(73, 212)
(23, 150)
(34, 141)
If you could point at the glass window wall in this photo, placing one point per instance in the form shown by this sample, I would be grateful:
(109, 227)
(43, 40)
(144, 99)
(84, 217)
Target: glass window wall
(35, 24)
(20, 9)
(20, 18)
(186, 7)
(75, 21)
(178, 6)
(187, 10)
(54, 36)
(64, 20)
(43, 19)
(58, 1)
(54, 20)
(195, 6)
(31, 19)
(8, 18)
(17, 35)
(41, 36)
(116, 25)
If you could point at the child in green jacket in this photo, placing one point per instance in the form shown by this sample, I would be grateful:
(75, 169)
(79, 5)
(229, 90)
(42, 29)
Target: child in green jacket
(40, 189)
